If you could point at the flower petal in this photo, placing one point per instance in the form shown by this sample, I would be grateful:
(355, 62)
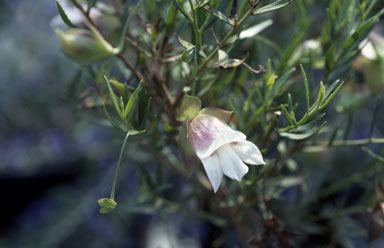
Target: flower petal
(213, 169)
(231, 163)
(207, 133)
(248, 152)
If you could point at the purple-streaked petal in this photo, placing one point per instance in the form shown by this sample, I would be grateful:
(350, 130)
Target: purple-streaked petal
(248, 152)
(207, 133)
(230, 163)
(212, 167)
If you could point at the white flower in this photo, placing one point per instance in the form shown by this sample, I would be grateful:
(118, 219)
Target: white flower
(221, 149)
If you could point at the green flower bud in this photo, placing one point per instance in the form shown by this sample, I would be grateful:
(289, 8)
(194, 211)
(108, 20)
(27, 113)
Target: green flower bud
(106, 205)
(189, 108)
(83, 46)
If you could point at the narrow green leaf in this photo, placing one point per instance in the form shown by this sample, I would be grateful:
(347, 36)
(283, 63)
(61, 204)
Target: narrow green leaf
(178, 4)
(219, 15)
(329, 95)
(171, 17)
(221, 7)
(290, 103)
(373, 155)
(361, 32)
(114, 98)
(331, 88)
(277, 87)
(333, 136)
(91, 3)
(202, 4)
(114, 123)
(125, 95)
(137, 132)
(329, 60)
(309, 123)
(120, 87)
(305, 79)
(146, 113)
(153, 126)
(142, 105)
(320, 95)
(273, 6)
(187, 45)
(302, 136)
(289, 51)
(64, 16)
(130, 107)
(286, 113)
(254, 30)
(374, 117)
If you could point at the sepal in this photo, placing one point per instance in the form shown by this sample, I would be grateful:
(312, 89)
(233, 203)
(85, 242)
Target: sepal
(189, 108)
(221, 114)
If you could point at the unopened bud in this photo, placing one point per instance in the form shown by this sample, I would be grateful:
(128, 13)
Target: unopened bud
(106, 205)
(83, 46)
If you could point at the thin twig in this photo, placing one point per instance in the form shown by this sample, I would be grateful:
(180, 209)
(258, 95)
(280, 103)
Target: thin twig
(137, 74)
(346, 143)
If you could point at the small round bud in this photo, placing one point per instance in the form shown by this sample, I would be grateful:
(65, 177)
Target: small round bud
(106, 205)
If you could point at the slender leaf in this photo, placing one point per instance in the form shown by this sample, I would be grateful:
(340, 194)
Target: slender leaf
(182, 9)
(286, 113)
(114, 98)
(114, 123)
(373, 155)
(289, 51)
(91, 3)
(331, 93)
(305, 79)
(278, 85)
(256, 29)
(146, 113)
(220, 15)
(64, 16)
(273, 6)
(302, 136)
(171, 17)
(130, 107)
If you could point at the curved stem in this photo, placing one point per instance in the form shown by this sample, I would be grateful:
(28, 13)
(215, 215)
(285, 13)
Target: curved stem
(112, 197)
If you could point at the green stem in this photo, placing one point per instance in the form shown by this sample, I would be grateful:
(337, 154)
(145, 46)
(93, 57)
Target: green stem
(112, 197)
(195, 24)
